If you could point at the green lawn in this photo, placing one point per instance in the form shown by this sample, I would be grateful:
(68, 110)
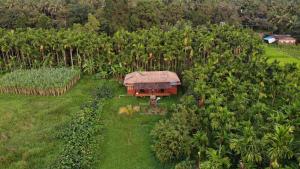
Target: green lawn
(284, 56)
(127, 143)
(29, 124)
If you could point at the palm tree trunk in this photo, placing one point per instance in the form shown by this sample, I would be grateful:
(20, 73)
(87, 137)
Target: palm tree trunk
(65, 57)
(71, 55)
(57, 58)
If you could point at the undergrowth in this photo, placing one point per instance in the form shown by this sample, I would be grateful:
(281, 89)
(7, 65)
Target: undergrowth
(79, 134)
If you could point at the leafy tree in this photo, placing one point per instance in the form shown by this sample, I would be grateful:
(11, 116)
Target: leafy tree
(145, 14)
(93, 24)
(116, 15)
(44, 22)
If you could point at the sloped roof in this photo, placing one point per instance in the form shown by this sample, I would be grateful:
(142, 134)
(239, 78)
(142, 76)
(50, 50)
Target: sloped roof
(152, 77)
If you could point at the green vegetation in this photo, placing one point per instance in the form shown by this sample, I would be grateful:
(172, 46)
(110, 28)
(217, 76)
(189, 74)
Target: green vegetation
(234, 114)
(292, 50)
(238, 108)
(175, 49)
(113, 15)
(45, 81)
(35, 130)
(283, 54)
(29, 125)
(126, 140)
(80, 133)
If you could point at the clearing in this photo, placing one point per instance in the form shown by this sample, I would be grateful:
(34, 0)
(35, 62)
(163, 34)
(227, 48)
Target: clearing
(29, 126)
(127, 141)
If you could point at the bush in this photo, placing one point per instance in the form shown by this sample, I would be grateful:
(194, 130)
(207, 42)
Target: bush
(185, 165)
(80, 132)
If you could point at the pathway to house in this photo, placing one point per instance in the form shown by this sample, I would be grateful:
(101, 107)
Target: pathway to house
(126, 143)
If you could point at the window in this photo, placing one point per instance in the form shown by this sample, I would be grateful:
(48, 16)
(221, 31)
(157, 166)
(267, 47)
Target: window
(162, 90)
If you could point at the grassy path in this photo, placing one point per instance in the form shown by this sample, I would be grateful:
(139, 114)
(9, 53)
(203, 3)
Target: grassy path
(127, 142)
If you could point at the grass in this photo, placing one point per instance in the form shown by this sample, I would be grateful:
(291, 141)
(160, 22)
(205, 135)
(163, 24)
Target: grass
(284, 56)
(127, 141)
(39, 78)
(44, 81)
(29, 124)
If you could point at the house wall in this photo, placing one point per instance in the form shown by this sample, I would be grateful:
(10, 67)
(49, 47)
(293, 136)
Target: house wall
(172, 90)
(287, 42)
(169, 91)
(130, 90)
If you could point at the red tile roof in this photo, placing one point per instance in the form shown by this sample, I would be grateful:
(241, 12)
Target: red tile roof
(152, 77)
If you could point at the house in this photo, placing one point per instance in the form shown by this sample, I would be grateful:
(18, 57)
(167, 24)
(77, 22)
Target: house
(270, 39)
(157, 83)
(285, 39)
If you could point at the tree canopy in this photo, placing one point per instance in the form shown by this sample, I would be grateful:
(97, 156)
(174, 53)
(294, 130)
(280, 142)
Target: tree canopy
(281, 16)
(237, 112)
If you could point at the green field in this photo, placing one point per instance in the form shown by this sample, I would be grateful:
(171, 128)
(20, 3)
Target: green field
(127, 143)
(29, 124)
(283, 55)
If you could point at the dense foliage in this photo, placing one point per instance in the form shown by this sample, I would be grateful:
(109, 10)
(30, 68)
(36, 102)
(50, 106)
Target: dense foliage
(276, 15)
(238, 112)
(79, 134)
(45, 81)
(174, 49)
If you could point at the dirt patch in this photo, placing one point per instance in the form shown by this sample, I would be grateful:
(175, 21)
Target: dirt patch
(129, 110)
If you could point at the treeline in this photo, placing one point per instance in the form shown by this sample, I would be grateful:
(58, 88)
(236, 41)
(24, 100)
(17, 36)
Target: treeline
(175, 49)
(281, 16)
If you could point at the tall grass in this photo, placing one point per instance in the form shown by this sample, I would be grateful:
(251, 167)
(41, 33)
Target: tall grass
(45, 81)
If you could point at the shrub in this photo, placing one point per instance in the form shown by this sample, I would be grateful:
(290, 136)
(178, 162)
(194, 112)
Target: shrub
(79, 133)
(185, 165)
